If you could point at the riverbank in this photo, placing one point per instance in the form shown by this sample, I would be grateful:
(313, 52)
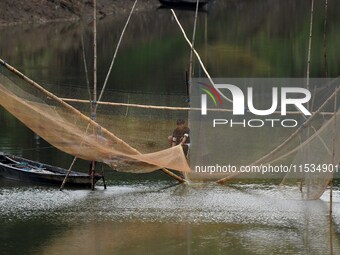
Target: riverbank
(42, 11)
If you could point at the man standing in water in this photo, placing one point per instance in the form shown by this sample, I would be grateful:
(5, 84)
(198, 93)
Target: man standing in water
(181, 136)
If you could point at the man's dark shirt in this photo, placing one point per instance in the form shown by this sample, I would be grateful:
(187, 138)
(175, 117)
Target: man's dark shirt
(179, 134)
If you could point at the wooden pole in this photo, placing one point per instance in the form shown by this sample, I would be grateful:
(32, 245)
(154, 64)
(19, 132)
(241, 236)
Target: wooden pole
(190, 73)
(331, 200)
(67, 174)
(172, 108)
(325, 39)
(60, 101)
(193, 44)
(333, 156)
(85, 69)
(197, 55)
(334, 134)
(206, 37)
(103, 177)
(94, 52)
(310, 41)
(331, 181)
(308, 76)
(94, 107)
(76, 112)
(171, 174)
(93, 173)
(116, 51)
(87, 81)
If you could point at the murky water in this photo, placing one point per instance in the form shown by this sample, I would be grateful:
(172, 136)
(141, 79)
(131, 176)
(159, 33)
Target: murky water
(153, 216)
(149, 214)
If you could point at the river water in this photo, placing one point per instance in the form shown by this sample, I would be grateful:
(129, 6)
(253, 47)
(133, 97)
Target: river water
(150, 214)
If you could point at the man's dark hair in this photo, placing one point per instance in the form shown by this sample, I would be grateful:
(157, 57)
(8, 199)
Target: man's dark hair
(180, 122)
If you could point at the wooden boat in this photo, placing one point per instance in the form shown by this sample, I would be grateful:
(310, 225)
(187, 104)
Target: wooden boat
(183, 3)
(20, 169)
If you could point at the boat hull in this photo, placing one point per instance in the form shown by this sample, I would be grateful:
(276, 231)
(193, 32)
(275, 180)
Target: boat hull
(20, 169)
(183, 4)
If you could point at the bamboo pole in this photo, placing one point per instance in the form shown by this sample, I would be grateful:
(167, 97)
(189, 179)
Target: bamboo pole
(325, 39)
(193, 43)
(189, 80)
(94, 53)
(87, 81)
(206, 37)
(88, 91)
(59, 100)
(171, 108)
(116, 51)
(331, 181)
(67, 174)
(190, 73)
(331, 200)
(310, 41)
(93, 173)
(78, 113)
(305, 124)
(334, 134)
(308, 73)
(333, 157)
(175, 176)
(94, 107)
(103, 177)
(197, 55)
(85, 69)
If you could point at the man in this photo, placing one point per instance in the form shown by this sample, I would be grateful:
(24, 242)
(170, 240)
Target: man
(181, 136)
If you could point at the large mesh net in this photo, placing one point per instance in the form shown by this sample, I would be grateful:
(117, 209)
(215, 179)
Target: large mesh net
(251, 146)
(73, 132)
(312, 145)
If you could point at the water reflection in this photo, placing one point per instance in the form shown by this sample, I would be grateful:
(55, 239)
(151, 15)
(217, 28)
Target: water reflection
(237, 38)
(202, 218)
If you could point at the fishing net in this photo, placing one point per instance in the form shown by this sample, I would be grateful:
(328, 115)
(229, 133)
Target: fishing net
(294, 149)
(73, 132)
(308, 152)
